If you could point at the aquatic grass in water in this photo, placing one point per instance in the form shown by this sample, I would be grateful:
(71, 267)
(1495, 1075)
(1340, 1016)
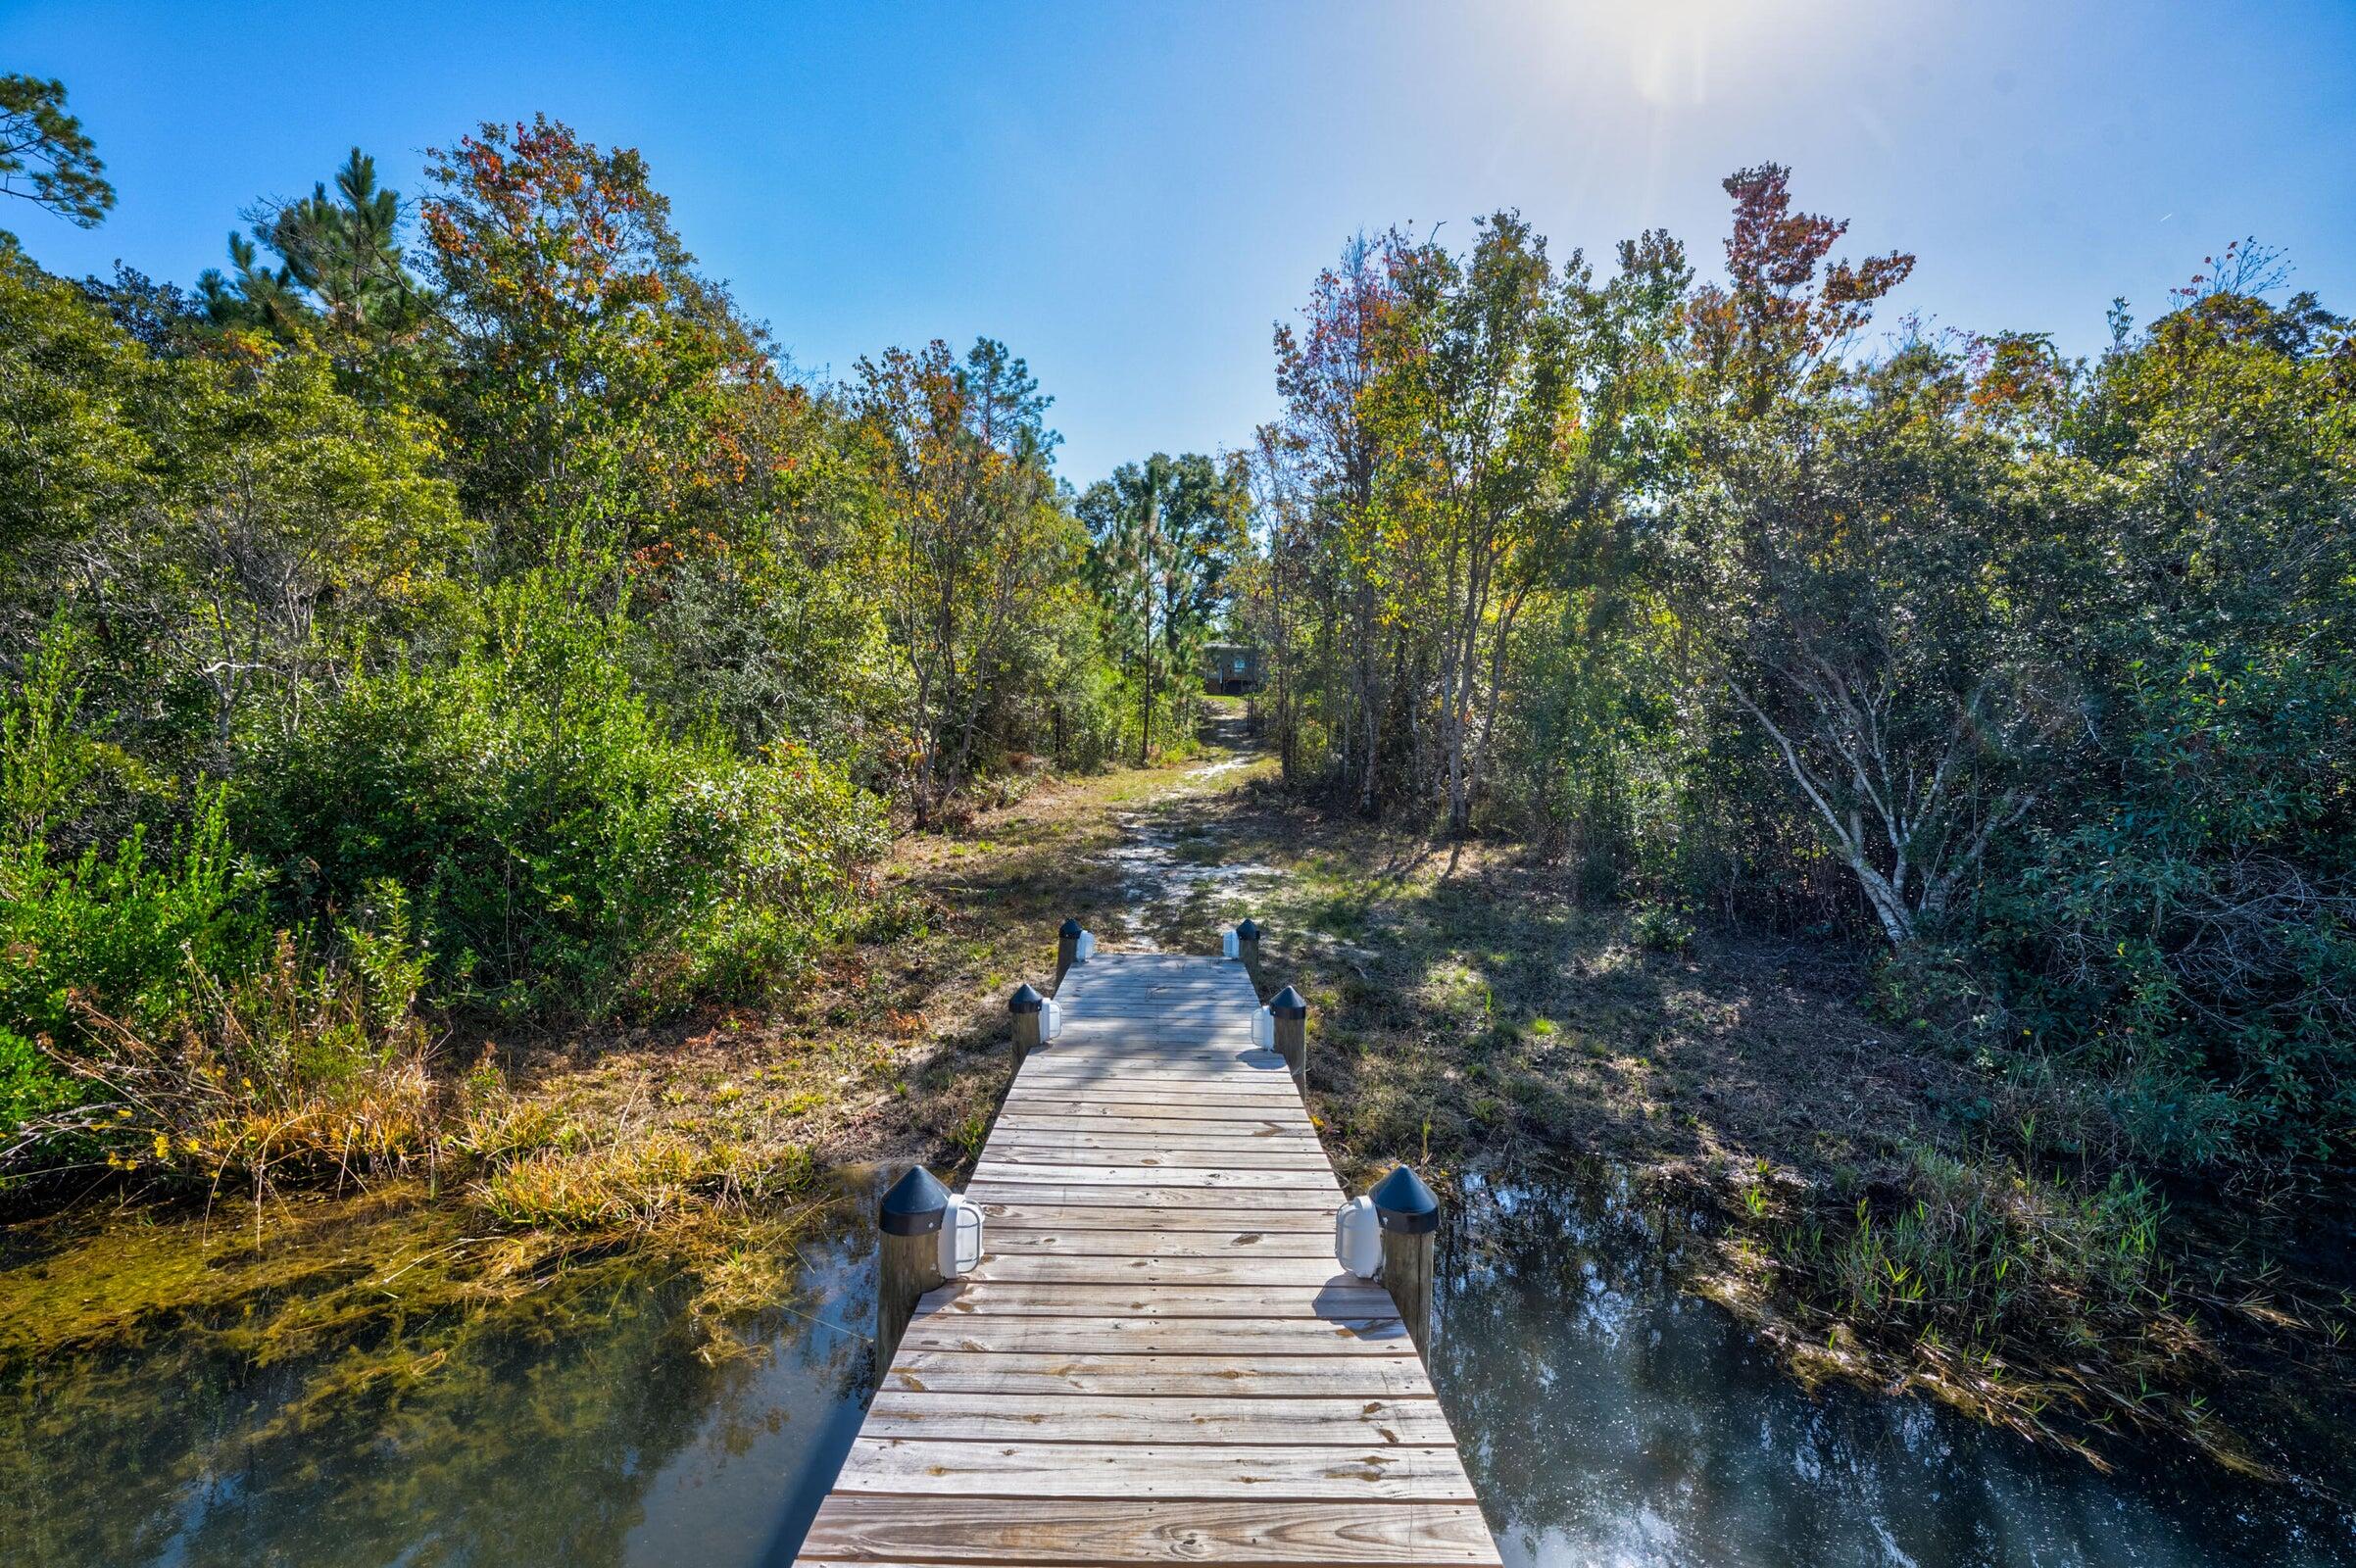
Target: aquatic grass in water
(1970, 1244)
(420, 1410)
(638, 1182)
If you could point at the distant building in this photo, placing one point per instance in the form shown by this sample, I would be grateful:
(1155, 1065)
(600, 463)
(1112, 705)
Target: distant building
(1231, 669)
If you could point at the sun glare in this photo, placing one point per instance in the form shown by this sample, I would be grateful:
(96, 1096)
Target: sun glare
(1672, 45)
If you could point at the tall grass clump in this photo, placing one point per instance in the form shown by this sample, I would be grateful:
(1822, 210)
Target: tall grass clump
(301, 1068)
(629, 1179)
(1977, 1251)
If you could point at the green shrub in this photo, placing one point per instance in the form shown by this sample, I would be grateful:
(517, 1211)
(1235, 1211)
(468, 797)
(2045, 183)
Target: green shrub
(1659, 930)
(564, 847)
(2190, 946)
(126, 935)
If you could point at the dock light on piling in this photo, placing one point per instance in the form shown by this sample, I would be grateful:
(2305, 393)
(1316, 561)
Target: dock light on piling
(1229, 945)
(1085, 949)
(1263, 1031)
(1246, 941)
(1408, 1218)
(961, 1237)
(910, 1218)
(914, 1206)
(1032, 1020)
(1404, 1204)
(1289, 1027)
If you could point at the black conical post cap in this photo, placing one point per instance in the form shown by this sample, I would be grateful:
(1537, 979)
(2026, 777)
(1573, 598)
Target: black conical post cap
(1070, 928)
(1288, 1004)
(914, 1205)
(1247, 932)
(1025, 1000)
(1403, 1204)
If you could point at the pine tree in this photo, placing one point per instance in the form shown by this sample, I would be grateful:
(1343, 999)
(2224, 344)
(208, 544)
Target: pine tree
(340, 264)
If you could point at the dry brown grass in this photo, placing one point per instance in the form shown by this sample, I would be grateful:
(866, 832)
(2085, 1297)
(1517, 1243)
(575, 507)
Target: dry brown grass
(300, 1071)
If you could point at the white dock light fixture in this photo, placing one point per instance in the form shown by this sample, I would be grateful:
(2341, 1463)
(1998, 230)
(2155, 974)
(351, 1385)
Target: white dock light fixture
(1358, 1239)
(1085, 949)
(1229, 946)
(961, 1237)
(1264, 1030)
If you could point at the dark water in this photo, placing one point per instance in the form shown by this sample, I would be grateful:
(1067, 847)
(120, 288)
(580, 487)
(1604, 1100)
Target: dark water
(1606, 1419)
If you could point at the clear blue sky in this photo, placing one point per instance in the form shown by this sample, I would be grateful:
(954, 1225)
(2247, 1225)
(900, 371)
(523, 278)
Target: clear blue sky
(1130, 194)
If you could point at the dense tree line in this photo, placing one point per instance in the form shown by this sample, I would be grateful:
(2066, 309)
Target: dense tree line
(2033, 672)
(459, 602)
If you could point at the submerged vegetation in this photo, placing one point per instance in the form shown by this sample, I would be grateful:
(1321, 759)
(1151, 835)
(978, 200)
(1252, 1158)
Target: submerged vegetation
(484, 737)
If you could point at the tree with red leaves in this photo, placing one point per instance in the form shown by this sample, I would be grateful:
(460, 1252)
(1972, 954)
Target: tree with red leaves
(1785, 310)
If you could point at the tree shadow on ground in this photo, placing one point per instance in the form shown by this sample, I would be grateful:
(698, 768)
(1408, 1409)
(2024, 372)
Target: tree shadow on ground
(1467, 1005)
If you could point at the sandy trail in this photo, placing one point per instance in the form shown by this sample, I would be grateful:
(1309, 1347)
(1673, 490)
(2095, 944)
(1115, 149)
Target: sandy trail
(1157, 882)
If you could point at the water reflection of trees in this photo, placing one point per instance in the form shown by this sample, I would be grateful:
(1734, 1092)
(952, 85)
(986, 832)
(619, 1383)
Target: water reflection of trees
(1566, 1398)
(1605, 1417)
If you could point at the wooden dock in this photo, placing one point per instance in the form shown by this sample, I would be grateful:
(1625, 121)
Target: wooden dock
(1157, 1361)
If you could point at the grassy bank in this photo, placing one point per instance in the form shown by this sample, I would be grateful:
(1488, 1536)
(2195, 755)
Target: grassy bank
(1888, 1210)
(698, 1141)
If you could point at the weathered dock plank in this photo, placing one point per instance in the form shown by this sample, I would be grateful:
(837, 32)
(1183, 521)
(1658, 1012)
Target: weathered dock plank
(1163, 1419)
(875, 1530)
(1011, 1241)
(1157, 1361)
(1039, 1470)
(1227, 1374)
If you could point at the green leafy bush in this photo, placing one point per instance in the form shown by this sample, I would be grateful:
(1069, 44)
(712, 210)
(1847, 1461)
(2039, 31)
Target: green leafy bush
(564, 847)
(122, 931)
(2190, 945)
(1659, 930)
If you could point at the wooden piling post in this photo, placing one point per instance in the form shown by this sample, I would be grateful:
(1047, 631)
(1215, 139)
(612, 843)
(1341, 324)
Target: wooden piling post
(1292, 1016)
(1409, 1217)
(1067, 948)
(1247, 947)
(909, 1255)
(1028, 1008)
